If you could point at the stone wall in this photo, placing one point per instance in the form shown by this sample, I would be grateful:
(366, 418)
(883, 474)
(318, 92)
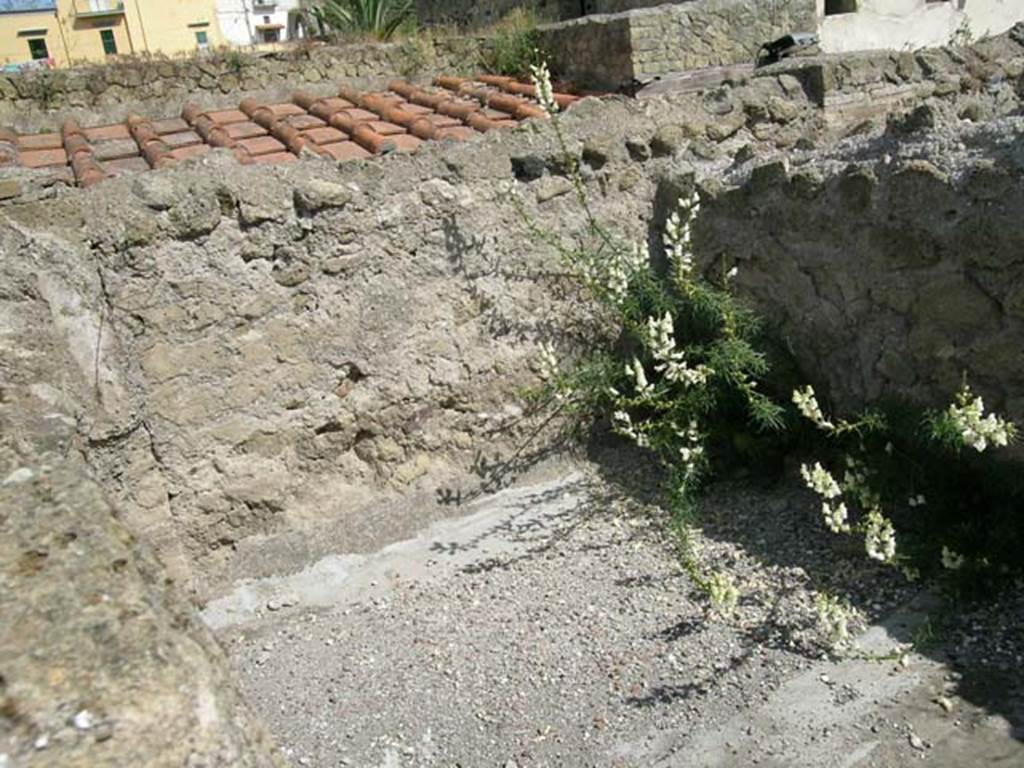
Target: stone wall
(891, 275)
(146, 84)
(613, 51)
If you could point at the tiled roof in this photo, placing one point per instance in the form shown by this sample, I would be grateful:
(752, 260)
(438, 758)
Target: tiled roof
(353, 124)
(27, 6)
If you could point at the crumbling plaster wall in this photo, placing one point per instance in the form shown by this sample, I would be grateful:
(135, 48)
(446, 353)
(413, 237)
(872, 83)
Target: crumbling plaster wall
(102, 661)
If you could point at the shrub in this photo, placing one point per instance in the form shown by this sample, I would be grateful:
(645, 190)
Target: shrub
(379, 18)
(515, 44)
(686, 375)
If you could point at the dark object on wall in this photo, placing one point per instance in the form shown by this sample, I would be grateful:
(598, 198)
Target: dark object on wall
(785, 46)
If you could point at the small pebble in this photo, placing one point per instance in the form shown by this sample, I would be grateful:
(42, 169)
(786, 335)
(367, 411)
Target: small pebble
(916, 741)
(83, 720)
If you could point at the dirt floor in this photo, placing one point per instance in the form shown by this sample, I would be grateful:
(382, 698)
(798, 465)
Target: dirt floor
(552, 626)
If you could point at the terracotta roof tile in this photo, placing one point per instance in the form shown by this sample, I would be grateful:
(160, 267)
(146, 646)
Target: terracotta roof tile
(115, 132)
(326, 135)
(346, 150)
(170, 125)
(286, 109)
(245, 130)
(360, 115)
(416, 109)
(458, 133)
(227, 116)
(336, 102)
(262, 145)
(41, 158)
(275, 157)
(353, 124)
(184, 139)
(194, 150)
(406, 143)
(116, 149)
(304, 121)
(385, 128)
(443, 121)
(126, 165)
(40, 141)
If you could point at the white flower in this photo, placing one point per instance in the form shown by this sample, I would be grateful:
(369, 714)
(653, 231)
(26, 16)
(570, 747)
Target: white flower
(834, 618)
(677, 237)
(723, 592)
(879, 537)
(548, 361)
(807, 404)
(951, 560)
(671, 362)
(731, 274)
(613, 273)
(855, 482)
(636, 370)
(622, 423)
(542, 87)
(661, 334)
(917, 501)
(819, 480)
(639, 258)
(976, 429)
(836, 517)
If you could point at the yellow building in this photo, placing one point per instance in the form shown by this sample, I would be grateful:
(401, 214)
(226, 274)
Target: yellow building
(67, 32)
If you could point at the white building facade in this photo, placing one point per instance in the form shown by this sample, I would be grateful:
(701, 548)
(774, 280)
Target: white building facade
(259, 22)
(857, 25)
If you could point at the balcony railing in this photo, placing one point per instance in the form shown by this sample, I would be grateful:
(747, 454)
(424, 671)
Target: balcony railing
(87, 8)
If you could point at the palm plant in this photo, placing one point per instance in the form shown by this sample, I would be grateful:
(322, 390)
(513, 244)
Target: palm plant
(380, 18)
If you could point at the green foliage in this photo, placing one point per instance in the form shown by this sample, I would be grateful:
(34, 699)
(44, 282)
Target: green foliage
(686, 378)
(47, 87)
(235, 60)
(515, 44)
(379, 18)
(955, 509)
(416, 54)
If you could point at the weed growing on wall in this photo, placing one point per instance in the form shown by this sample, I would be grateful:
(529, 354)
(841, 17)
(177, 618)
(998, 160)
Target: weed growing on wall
(684, 373)
(515, 44)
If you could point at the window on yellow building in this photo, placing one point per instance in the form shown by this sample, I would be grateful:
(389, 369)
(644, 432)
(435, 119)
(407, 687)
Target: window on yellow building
(109, 43)
(202, 40)
(37, 49)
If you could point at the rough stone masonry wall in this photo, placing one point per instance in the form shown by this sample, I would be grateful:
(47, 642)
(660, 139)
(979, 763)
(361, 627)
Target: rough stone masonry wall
(894, 267)
(146, 85)
(613, 50)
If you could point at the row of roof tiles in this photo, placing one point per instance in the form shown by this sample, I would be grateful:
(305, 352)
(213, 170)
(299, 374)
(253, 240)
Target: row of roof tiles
(353, 124)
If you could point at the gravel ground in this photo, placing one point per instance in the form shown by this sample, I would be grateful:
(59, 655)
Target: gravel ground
(555, 628)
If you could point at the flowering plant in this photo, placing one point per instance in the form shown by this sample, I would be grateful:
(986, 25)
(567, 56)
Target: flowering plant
(686, 376)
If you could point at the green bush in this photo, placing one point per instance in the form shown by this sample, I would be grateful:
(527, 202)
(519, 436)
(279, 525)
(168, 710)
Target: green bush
(515, 44)
(379, 18)
(686, 379)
